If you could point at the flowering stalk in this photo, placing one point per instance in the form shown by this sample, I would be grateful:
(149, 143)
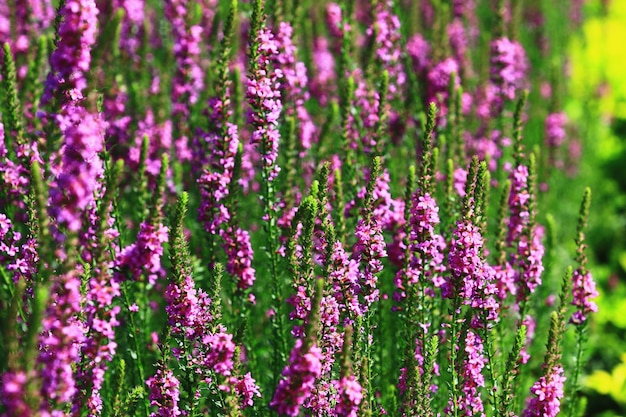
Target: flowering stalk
(70, 61)
(549, 389)
(350, 391)
(583, 290)
(99, 347)
(12, 115)
(187, 81)
(205, 349)
(304, 365)
(265, 101)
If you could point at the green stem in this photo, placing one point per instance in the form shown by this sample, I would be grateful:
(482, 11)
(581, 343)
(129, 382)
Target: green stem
(135, 335)
(453, 357)
(581, 339)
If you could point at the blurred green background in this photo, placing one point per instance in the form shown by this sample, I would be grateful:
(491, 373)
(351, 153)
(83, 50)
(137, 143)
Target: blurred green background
(597, 105)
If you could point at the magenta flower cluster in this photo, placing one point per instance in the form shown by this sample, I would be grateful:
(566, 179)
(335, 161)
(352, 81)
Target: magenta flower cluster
(471, 277)
(263, 94)
(81, 166)
(509, 66)
(350, 396)
(210, 348)
(584, 290)
(473, 380)
(426, 246)
(548, 393)
(299, 378)
(144, 256)
(164, 393)
(71, 60)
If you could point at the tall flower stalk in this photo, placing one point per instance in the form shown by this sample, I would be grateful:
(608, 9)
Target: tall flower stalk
(264, 98)
(583, 291)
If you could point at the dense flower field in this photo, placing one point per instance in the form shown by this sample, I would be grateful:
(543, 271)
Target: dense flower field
(289, 208)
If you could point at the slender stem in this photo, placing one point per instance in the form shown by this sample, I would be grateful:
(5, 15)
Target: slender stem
(453, 356)
(135, 333)
(581, 339)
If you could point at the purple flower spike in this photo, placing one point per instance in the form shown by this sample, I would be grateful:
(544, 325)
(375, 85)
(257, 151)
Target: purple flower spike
(188, 80)
(438, 87)
(82, 168)
(584, 290)
(145, 254)
(164, 393)
(299, 379)
(555, 133)
(548, 392)
(13, 394)
(62, 335)
(472, 278)
(239, 252)
(263, 94)
(350, 396)
(471, 403)
(509, 66)
(368, 251)
(245, 387)
(386, 33)
(295, 85)
(70, 61)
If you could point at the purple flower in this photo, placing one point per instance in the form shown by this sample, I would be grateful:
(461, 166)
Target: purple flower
(145, 254)
(239, 255)
(473, 380)
(15, 177)
(518, 204)
(303, 369)
(472, 278)
(505, 280)
(555, 133)
(60, 340)
(369, 249)
(263, 94)
(584, 290)
(70, 61)
(457, 36)
(344, 276)
(334, 20)
(132, 31)
(548, 392)
(386, 33)
(419, 50)
(324, 74)
(245, 387)
(81, 169)
(324, 395)
(509, 66)
(160, 136)
(425, 246)
(188, 79)
(99, 346)
(187, 309)
(164, 393)
(215, 183)
(220, 351)
(438, 87)
(294, 86)
(529, 258)
(350, 396)
(13, 394)
(211, 349)
(29, 17)
(8, 241)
